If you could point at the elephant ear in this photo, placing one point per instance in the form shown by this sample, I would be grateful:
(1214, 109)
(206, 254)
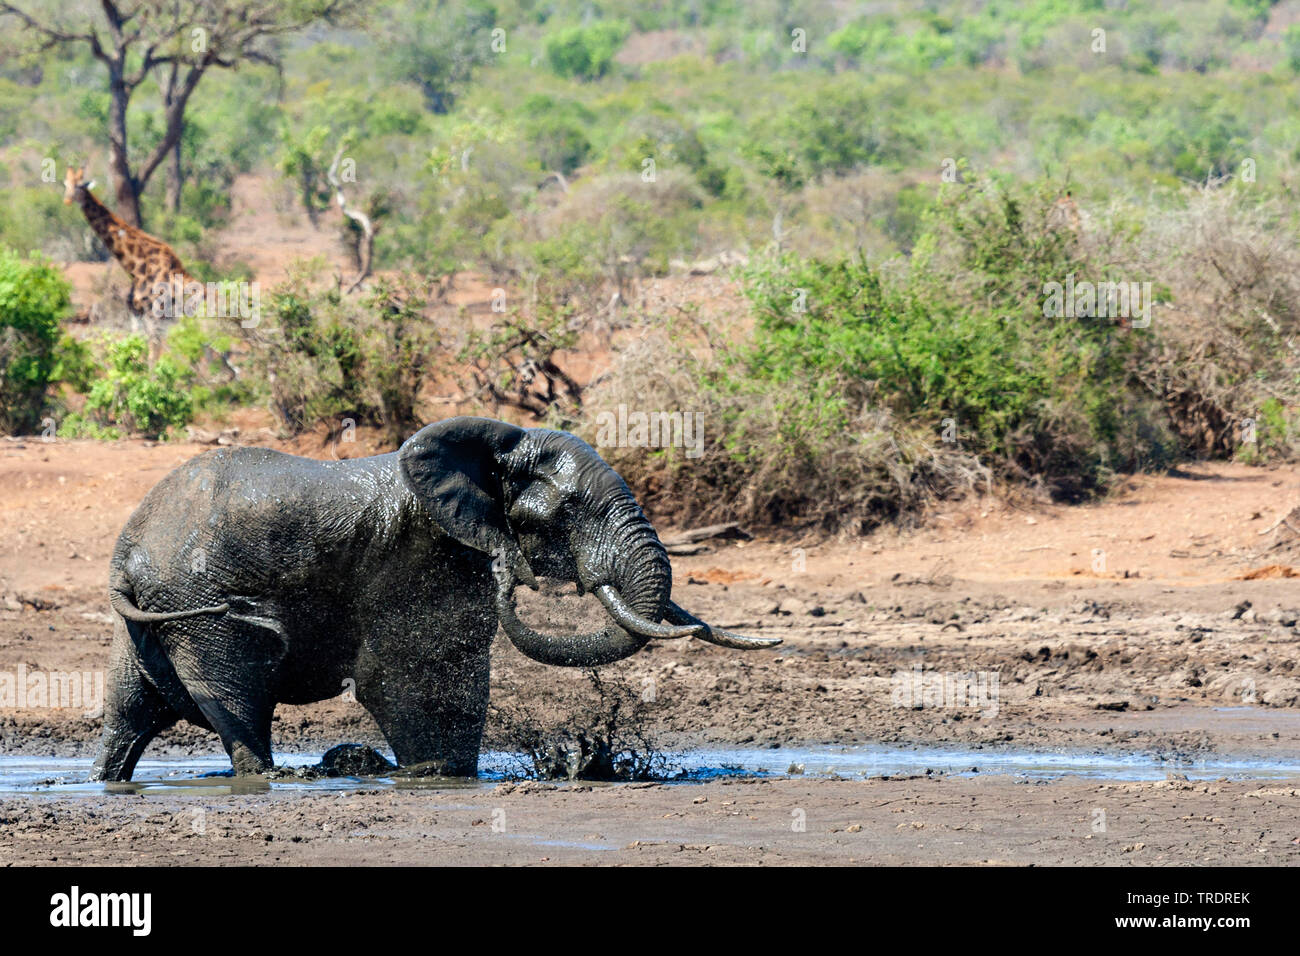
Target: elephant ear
(456, 468)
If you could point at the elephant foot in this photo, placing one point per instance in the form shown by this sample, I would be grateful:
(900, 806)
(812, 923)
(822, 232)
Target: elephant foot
(439, 768)
(100, 774)
(245, 762)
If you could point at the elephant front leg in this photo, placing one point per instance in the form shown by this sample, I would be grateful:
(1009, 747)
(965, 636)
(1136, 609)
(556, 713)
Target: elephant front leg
(432, 712)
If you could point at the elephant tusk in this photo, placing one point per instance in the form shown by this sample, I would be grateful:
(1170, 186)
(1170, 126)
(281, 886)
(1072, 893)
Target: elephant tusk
(716, 635)
(630, 620)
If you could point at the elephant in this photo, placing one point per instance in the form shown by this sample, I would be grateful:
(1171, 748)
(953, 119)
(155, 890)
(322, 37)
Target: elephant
(248, 577)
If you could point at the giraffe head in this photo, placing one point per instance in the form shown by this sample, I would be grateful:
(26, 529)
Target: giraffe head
(1065, 213)
(74, 185)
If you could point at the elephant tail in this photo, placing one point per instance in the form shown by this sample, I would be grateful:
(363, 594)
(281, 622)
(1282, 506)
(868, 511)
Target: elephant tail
(125, 606)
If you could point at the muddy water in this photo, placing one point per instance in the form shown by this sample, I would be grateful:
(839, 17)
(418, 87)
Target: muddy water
(209, 775)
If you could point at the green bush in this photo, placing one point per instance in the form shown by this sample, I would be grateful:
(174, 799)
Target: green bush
(1034, 398)
(557, 130)
(585, 53)
(142, 398)
(75, 364)
(659, 135)
(793, 454)
(1291, 43)
(205, 346)
(961, 338)
(34, 296)
(831, 130)
(616, 227)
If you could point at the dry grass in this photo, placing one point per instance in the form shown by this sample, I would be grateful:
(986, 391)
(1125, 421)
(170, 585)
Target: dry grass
(1229, 341)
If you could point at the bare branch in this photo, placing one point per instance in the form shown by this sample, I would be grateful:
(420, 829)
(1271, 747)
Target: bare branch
(175, 123)
(53, 35)
(361, 219)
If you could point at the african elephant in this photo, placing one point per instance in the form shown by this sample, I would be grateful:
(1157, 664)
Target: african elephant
(248, 577)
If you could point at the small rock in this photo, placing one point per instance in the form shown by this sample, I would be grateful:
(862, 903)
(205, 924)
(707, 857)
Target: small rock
(1278, 616)
(355, 760)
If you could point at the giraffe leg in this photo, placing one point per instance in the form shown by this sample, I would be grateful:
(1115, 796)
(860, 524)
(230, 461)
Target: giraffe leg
(134, 308)
(130, 296)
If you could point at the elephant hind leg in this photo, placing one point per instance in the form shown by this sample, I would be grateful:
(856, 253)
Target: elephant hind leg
(242, 718)
(134, 712)
(234, 698)
(244, 726)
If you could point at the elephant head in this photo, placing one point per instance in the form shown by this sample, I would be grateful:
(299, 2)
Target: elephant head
(543, 502)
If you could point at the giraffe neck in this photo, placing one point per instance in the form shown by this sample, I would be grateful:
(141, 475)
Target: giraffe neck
(108, 227)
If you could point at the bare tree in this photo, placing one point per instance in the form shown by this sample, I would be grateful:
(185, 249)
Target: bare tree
(186, 38)
(366, 244)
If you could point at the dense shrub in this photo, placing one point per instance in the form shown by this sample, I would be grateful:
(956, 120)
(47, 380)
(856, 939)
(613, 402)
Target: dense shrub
(329, 357)
(961, 337)
(33, 298)
(1223, 358)
(794, 454)
(205, 347)
(831, 130)
(862, 393)
(613, 228)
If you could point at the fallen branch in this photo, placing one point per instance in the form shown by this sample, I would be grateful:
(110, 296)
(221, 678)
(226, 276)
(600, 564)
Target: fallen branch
(1280, 521)
(730, 529)
(683, 550)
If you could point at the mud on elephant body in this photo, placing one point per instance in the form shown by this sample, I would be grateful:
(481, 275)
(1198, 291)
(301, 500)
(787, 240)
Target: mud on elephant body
(248, 577)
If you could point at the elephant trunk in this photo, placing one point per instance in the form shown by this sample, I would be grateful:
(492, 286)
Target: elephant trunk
(628, 570)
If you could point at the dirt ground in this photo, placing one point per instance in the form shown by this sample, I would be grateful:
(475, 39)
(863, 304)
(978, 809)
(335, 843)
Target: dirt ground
(1119, 627)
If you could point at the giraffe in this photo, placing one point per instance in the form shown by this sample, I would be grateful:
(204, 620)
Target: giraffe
(1065, 214)
(158, 279)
